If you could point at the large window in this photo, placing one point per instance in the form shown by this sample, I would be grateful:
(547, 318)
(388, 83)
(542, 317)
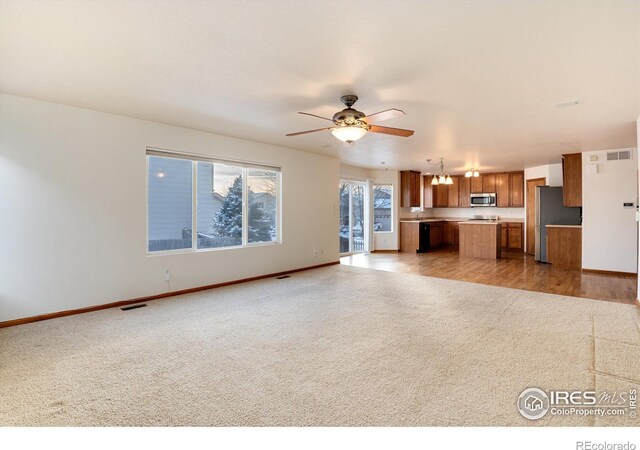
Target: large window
(227, 204)
(382, 207)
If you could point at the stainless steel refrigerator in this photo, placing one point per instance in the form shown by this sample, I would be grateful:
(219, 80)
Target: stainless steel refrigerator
(551, 211)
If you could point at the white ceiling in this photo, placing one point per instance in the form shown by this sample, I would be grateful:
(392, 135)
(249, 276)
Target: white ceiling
(478, 80)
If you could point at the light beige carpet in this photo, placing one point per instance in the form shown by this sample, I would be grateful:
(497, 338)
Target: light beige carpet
(333, 346)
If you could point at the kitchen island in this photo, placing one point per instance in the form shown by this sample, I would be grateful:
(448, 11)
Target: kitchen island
(480, 239)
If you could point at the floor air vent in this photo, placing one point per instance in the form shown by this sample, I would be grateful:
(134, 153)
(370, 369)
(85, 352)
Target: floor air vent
(128, 308)
(283, 277)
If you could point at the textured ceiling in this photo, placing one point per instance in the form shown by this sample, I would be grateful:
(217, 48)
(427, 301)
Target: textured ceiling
(479, 80)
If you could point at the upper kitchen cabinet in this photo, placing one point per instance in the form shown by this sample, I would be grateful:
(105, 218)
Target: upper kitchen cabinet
(452, 193)
(502, 189)
(516, 189)
(572, 179)
(410, 189)
(441, 196)
(489, 183)
(427, 192)
(476, 185)
(464, 192)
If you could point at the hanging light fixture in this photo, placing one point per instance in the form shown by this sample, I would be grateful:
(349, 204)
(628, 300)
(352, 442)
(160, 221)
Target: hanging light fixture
(443, 178)
(471, 173)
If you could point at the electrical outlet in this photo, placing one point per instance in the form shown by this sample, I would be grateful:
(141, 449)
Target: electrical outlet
(315, 252)
(167, 275)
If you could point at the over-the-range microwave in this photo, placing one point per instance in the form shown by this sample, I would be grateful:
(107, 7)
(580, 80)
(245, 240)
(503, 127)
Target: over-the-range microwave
(483, 199)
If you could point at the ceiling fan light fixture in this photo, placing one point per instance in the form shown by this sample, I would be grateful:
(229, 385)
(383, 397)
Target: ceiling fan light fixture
(468, 174)
(348, 133)
(449, 180)
(476, 174)
(442, 179)
(434, 181)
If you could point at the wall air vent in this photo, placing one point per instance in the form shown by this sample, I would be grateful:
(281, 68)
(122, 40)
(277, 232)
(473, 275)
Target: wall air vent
(626, 154)
(622, 154)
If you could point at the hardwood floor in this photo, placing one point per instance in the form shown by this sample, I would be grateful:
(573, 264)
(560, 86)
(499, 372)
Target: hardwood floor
(514, 270)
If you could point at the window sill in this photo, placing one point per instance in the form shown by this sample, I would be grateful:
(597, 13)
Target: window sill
(206, 250)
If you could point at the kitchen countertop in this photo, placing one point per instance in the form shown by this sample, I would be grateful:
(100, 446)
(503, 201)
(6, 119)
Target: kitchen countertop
(564, 226)
(461, 219)
(482, 222)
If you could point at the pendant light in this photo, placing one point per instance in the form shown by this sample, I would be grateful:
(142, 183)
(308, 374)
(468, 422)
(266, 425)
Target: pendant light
(443, 178)
(471, 173)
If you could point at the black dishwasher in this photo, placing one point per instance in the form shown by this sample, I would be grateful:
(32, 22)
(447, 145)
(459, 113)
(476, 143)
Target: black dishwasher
(424, 237)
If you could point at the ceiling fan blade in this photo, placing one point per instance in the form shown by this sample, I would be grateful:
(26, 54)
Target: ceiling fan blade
(384, 115)
(309, 131)
(389, 130)
(313, 115)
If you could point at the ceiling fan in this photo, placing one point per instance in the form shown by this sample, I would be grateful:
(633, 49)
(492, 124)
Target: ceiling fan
(349, 125)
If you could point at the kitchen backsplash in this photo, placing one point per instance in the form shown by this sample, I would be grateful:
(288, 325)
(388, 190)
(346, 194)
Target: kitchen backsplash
(464, 212)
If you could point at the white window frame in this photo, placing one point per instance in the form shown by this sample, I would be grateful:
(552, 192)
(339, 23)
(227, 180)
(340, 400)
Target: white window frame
(373, 194)
(245, 166)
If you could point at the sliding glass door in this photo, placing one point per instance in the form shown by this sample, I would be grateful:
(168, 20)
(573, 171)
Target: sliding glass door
(353, 217)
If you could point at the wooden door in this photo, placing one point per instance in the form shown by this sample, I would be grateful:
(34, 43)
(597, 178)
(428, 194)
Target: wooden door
(427, 192)
(572, 179)
(452, 192)
(502, 189)
(516, 189)
(456, 233)
(531, 212)
(515, 236)
(464, 192)
(415, 189)
(476, 185)
(447, 235)
(435, 234)
(441, 196)
(409, 188)
(489, 183)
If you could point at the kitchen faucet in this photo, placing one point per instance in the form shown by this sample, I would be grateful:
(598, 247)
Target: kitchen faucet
(418, 215)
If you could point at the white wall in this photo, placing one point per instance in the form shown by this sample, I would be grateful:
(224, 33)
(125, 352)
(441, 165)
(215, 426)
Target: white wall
(609, 231)
(73, 209)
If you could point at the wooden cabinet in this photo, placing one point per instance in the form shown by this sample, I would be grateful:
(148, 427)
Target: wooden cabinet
(435, 233)
(572, 179)
(427, 192)
(464, 192)
(452, 193)
(476, 185)
(440, 196)
(409, 236)
(516, 189)
(515, 237)
(450, 233)
(512, 236)
(410, 189)
(488, 183)
(564, 247)
(502, 189)
(508, 187)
